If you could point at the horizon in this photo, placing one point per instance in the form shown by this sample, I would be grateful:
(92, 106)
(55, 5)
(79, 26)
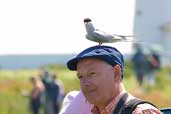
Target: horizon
(10, 62)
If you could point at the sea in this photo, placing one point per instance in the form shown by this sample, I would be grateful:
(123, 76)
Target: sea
(34, 61)
(19, 61)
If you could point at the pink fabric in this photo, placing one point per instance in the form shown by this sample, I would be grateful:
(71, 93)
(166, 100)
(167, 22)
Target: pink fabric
(75, 103)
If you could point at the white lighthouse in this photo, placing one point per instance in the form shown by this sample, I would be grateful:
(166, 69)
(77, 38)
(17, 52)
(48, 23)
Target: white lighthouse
(152, 25)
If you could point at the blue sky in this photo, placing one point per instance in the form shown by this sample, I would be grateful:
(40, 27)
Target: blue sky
(56, 26)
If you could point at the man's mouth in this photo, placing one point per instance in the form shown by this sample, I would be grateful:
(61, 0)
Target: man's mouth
(91, 91)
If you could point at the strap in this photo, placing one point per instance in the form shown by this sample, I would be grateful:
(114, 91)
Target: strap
(132, 104)
(120, 104)
(127, 108)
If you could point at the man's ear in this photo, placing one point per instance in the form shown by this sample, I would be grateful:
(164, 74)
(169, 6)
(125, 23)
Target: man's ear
(117, 72)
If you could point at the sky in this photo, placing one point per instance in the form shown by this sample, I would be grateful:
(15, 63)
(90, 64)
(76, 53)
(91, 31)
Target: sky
(56, 26)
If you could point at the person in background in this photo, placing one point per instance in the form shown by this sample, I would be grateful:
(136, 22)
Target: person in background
(37, 89)
(100, 72)
(139, 60)
(61, 89)
(153, 64)
(51, 93)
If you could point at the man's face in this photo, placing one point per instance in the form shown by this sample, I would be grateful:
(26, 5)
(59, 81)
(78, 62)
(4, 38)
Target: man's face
(96, 80)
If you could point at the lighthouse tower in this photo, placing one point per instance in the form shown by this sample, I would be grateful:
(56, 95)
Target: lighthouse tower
(152, 25)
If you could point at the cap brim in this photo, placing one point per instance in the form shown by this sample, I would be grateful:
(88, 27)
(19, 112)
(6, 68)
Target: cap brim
(72, 64)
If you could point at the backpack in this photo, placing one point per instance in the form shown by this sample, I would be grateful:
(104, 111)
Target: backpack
(128, 108)
(166, 110)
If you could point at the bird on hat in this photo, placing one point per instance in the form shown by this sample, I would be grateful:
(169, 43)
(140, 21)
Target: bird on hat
(99, 36)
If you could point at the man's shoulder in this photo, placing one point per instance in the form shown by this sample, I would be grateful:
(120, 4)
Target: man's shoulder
(135, 105)
(145, 106)
(142, 106)
(75, 103)
(71, 95)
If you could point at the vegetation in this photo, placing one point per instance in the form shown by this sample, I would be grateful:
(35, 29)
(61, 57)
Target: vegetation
(14, 83)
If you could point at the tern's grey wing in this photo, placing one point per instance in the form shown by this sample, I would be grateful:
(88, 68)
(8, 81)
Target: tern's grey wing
(97, 37)
(102, 36)
(92, 38)
(107, 37)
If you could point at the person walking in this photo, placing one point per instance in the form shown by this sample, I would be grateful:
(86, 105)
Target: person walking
(35, 95)
(139, 62)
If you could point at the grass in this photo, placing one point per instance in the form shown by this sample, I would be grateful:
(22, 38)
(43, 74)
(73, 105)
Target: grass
(13, 83)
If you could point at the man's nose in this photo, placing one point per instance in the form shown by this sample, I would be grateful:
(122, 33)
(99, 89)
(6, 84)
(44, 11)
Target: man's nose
(85, 81)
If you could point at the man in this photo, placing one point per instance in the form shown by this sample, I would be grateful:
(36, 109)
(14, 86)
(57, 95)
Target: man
(100, 71)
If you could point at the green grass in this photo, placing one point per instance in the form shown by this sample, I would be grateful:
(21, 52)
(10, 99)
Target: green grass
(13, 83)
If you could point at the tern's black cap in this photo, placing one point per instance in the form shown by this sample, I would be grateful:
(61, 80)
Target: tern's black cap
(87, 20)
(106, 53)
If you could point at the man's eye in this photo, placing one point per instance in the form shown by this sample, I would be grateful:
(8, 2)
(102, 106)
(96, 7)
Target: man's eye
(92, 74)
(79, 77)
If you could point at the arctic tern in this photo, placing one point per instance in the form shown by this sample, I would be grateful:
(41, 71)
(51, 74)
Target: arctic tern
(99, 36)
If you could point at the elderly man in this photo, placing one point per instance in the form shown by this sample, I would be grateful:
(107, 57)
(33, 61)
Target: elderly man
(100, 71)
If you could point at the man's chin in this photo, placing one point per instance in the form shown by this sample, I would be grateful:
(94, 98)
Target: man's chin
(92, 99)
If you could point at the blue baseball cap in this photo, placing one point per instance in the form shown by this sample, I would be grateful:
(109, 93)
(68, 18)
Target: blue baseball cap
(106, 53)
